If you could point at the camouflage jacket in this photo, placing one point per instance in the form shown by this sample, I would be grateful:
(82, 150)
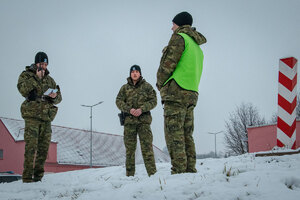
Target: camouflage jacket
(171, 56)
(142, 95)
(43, 107)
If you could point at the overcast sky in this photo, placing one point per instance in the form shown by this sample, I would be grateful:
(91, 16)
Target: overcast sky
(92, 44)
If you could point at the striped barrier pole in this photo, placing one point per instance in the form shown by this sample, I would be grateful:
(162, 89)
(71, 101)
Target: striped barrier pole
(287, 102)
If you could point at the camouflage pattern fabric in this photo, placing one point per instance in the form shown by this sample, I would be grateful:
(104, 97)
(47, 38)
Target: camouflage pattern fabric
(172, 53)
(130, 140)
(38, 114)
(142, 95)
(37, 138)
(179, 104)
(42, 108)
(179, 127)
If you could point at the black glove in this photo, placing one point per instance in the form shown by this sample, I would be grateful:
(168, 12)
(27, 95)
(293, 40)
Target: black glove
(32, 95)
(49, 99)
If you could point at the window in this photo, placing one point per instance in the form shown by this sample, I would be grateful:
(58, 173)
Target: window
(1, 154)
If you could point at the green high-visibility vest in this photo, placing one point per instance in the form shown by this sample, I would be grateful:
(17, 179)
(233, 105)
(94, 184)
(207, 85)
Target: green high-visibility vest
(188, 71)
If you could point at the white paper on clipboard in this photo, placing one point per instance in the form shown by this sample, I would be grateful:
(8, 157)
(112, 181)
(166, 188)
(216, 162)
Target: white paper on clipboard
(49, 91)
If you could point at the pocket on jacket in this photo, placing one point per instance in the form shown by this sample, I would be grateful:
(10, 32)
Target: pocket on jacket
(173, 88)
(52, 112)
(49, 112)
(29, 109)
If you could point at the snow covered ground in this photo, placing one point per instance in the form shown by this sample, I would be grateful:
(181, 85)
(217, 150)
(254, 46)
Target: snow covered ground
(235, 178)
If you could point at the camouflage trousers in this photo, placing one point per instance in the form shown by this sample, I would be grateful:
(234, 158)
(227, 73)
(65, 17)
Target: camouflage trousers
(179, 127)
(37, 138)
(130, 140)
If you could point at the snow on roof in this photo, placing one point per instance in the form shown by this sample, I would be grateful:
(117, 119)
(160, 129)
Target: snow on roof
(270, 124)
(15, 127)
(73, 145)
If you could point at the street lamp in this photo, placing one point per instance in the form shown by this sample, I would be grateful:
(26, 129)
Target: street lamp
(215, 141)
(91, 137)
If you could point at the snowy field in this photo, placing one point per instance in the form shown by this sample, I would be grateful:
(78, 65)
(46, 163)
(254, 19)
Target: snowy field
(235, 178)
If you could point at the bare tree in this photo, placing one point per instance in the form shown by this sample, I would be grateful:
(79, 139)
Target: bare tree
(236, 135)
(273, 118)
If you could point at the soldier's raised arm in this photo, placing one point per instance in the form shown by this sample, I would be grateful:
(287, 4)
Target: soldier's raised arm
(26, 84)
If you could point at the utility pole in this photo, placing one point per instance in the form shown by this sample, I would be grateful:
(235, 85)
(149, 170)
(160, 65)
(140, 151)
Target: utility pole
(215, 141)
(91, 136)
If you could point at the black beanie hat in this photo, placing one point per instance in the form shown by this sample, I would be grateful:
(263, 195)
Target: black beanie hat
(183, 18)
(41, 57)
(135, 67)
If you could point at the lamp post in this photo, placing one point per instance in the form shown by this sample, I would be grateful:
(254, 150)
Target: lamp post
(91, 137)
(215, 141)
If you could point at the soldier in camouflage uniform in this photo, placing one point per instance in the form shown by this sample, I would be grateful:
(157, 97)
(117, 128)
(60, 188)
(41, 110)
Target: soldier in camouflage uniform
(38, 111)
(178, 79)
(136, 99)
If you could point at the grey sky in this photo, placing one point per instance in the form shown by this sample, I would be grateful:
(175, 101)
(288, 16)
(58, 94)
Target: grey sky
(92, 44)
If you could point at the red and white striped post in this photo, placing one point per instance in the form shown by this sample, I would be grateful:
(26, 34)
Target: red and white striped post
(287, 102)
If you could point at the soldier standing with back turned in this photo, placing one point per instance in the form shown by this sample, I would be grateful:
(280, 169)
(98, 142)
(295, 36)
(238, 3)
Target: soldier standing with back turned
(178, 78)
(135, 99)
(38, 111)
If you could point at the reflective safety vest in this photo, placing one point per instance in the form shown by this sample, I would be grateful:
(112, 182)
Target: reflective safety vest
(188, 71)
